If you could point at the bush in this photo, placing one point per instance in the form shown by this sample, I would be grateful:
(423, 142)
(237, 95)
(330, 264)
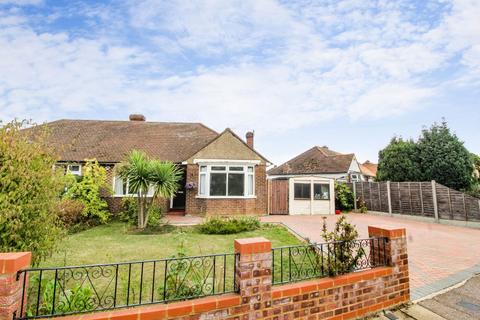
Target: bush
(130, 212)
(229, 225)
(343, 197)
(70, 212)
(29, 191)
(345, 255)
(87, 190)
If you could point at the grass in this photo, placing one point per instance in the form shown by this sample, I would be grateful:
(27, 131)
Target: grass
(118, 242)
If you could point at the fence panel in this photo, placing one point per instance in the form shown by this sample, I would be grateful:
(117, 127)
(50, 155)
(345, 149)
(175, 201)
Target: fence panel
(417, 198)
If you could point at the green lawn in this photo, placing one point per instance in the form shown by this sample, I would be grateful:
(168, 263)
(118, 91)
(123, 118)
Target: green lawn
(117, 242)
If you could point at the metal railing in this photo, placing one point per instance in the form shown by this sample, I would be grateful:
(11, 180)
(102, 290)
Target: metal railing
(317, 260)
(51, 292)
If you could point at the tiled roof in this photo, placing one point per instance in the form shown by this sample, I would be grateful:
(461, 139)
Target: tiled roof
(316, 160)
(369, 169)
(111, 141)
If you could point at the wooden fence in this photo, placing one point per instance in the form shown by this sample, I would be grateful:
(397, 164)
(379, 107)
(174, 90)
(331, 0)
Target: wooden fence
(427, 199)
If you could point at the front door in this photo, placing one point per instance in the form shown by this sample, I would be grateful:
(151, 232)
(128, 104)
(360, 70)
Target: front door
(178, 202)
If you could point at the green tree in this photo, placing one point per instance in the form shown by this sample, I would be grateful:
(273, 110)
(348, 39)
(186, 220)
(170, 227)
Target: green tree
(399, 161)
(144, 174)
(444, 158)
(88, 188)
(29, 191)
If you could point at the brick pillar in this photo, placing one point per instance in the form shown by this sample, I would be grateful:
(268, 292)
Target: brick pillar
(10, 287)
(395, 250)
(254, 274)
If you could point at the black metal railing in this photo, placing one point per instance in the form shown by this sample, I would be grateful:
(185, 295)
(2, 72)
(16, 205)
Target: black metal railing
(59, 291)
(317, 260)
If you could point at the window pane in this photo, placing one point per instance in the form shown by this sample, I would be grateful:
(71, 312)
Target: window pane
(118, 188)
(219, 168)
(151, 190)
(321, 191)
(236, 184)
(218, 184)
(235, 168)
(302, 191)
(250, 185)
(202, 184)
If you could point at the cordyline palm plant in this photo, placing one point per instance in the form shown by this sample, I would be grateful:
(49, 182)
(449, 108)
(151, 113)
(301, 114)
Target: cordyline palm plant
(144, 174)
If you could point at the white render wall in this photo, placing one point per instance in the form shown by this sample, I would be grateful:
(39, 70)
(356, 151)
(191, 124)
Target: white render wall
(312, 206)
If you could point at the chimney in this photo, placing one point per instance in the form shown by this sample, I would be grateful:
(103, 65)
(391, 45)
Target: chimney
(249, 137)
(136, 117)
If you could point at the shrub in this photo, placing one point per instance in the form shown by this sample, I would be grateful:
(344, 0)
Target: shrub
(345, 254)
(229, 225)
(155, 216)
(29, 191)
(343, 197)
(87, 190)
(70, 212)
(129, 210)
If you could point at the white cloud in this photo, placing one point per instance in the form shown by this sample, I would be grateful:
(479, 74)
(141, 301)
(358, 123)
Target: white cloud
(273, 66)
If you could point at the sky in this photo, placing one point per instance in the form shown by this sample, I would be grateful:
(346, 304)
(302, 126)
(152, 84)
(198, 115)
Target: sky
(344, 74)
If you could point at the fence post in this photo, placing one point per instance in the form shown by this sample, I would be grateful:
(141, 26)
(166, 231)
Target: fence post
(421, 198)
(389, 198)
(253, 275)
(11, 287)
(465, 207)
(435, 203)
(354, 195)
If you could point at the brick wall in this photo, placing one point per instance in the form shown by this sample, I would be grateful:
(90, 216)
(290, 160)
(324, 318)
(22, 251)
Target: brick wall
(255, 206)
(348, 296)
(10, 286)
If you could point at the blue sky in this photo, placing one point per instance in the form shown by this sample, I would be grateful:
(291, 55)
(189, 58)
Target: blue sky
(346, 74)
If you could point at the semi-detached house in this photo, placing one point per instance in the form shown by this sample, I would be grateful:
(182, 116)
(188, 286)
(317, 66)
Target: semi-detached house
(222, 173)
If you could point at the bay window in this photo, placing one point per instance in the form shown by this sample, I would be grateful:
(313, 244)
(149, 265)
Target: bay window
(235, 181)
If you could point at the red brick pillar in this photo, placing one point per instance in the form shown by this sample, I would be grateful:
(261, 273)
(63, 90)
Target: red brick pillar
(254, 275)
(395, 250)
(10, 287)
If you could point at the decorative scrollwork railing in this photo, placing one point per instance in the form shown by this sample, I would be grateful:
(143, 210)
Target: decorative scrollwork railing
(316, 260)
(50, 292)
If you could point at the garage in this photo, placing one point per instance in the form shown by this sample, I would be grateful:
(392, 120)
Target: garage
(301, 195)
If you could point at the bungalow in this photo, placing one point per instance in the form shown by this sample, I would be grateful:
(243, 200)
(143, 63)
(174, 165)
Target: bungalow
(223, 175)
(320, 161)
(369, 170)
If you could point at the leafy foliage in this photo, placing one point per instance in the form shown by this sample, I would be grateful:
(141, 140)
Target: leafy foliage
(29, 191)
(437, 155)
(444, 158)
(229, 225)
(399, 161)
(144, 174)
(87, 190)
(70, 212)
(343, 197)
(343, 255)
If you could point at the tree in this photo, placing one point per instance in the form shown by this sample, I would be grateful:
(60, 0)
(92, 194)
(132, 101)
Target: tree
(144, 175)
(444, 158)
(87, 189)
(29, 192)
(399, 161)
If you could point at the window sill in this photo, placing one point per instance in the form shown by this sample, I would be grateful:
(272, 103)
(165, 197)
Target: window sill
(127, 196)
(225, 197)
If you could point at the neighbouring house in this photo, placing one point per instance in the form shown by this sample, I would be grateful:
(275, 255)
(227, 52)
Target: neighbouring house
(320, 161)
(369, 170)
(223, 174)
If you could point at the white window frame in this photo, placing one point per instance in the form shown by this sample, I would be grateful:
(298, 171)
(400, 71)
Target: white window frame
(127, 194)
(227, 166)
(75, 173)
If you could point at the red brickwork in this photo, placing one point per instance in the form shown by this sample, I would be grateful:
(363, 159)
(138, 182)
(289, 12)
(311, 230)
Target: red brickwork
(344, 297)
(10, 287)
(254, 206)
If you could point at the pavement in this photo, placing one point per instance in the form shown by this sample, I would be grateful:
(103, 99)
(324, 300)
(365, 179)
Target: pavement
(439, 255)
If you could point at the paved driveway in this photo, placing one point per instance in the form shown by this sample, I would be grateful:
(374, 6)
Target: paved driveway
(439, 255)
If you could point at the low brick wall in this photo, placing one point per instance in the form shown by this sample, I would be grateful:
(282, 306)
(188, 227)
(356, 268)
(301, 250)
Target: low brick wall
(344, 297)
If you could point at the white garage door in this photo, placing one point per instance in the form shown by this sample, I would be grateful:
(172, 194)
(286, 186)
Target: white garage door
(311, 195)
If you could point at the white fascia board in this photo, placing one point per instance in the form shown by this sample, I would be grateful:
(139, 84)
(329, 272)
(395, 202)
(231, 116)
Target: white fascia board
(225, 161)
